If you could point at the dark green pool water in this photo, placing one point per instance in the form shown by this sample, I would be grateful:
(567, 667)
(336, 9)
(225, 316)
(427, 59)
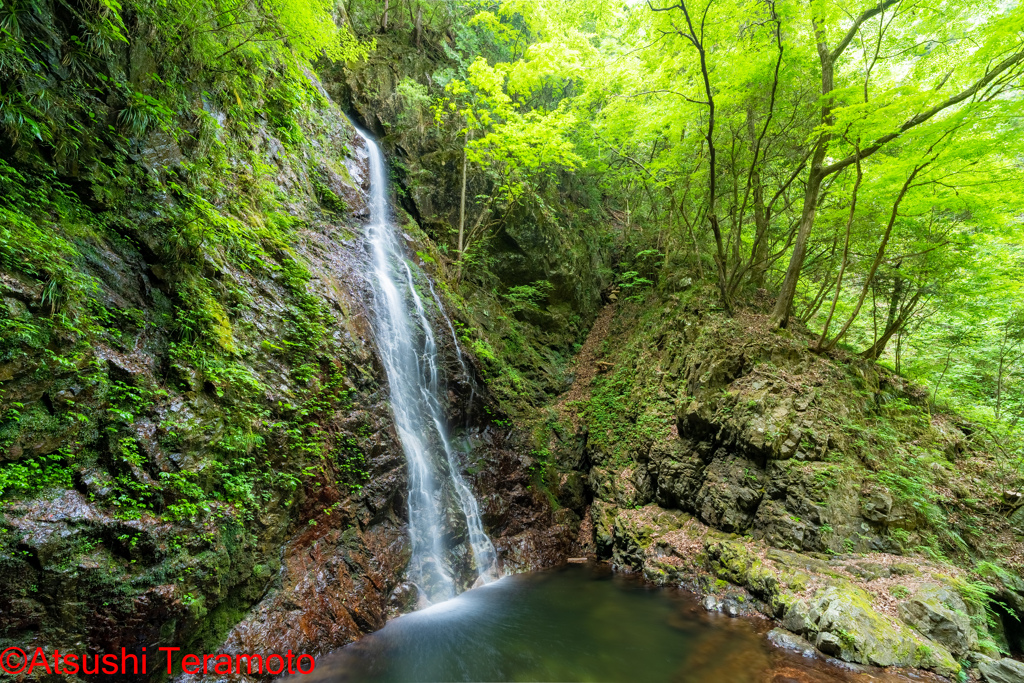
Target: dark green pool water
(575, 623)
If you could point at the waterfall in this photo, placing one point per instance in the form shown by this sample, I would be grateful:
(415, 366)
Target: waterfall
(408, 349)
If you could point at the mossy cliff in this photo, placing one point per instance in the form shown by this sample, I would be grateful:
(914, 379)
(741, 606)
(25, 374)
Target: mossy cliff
(193, 418)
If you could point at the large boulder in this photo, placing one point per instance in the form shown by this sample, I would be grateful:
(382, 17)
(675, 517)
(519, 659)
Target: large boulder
(937, 612)
(864, 635)
(842, 623)
(1002, 671)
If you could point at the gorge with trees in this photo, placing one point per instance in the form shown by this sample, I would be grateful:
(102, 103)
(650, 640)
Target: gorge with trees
(725, 295)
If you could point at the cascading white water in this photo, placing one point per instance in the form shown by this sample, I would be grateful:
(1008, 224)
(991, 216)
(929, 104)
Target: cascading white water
(408, 349)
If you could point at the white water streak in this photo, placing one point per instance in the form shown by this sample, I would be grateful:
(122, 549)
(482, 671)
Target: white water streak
(416, 386)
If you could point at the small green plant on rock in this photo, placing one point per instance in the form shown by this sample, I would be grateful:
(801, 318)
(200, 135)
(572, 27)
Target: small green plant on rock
(845, 638)
(901, 537)
(328, 198)
(32, 475)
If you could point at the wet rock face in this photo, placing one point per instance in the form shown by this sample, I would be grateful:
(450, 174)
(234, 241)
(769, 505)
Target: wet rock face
(119, 553)
(335, 585)
(526, 531)
(269, 480)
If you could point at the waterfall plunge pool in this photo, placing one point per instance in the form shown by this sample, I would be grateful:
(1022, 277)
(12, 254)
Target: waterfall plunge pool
(575, 623)
(567, 624)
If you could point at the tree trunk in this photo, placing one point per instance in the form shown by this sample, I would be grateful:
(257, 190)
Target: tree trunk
(894, 300)
(759, 250)
(846, 256)
(999, 387)
(419, 24)
(1002, 368)
(879, 255)
(760, 255)
(818, 299)
(462, 201)
(893, 326)
(945, 369)
(384, 17)
(787, 293)
(899, 351)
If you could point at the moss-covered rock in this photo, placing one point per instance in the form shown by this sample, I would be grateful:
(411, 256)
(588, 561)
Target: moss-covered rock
(939, 613)
(811, 596)
(846, 625)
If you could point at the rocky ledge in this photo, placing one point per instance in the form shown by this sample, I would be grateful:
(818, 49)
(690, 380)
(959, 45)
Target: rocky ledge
(871, 609)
